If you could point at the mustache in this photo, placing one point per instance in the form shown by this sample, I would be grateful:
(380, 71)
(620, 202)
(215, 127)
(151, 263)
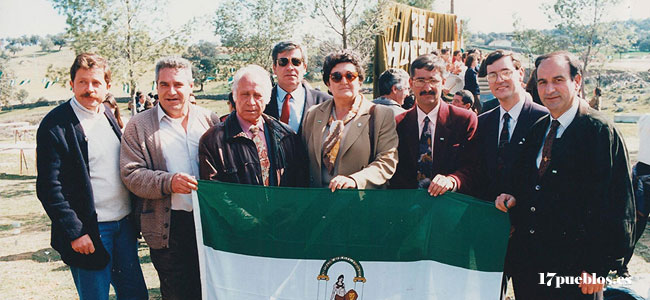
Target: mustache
(89, 95)
(431, 92)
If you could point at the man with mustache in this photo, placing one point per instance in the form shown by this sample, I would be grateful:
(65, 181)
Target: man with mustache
(435, 149)
(160, 164)
(290, 98)
(78, 149)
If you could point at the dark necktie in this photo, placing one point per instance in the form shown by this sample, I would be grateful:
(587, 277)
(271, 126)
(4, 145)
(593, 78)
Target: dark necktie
(503, 140)
(425, 159)
(284, 117)
(548, 146)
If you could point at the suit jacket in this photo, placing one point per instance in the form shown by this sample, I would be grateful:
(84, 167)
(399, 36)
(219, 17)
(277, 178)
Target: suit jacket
(579, 215)
(453, 154)
(369, 170)
(312, 97)
(63, 184)
(227, 156)
(489, 185)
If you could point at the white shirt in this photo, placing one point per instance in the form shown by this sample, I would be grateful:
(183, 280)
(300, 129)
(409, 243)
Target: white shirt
(565, 120)
(181, 149)
(111, 197)
(644, 139)
(433, 118)
(514, 113)
(296, 105)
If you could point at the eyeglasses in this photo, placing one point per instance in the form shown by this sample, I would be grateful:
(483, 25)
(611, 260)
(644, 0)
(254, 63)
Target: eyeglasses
(504, 74)
(283, 61)
(420, 82)
(350, 76)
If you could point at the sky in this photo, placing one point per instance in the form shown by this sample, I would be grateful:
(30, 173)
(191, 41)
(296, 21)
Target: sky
(28, 17)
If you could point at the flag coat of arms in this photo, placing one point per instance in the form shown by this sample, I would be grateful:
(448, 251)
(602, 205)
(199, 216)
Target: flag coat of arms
(260, 242)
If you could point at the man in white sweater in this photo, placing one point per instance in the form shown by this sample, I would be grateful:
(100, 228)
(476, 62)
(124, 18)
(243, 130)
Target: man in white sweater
(78, 147)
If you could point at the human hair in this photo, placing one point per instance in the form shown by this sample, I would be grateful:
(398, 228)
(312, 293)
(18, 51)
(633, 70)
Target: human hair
(259, 73)
(174, 62)
(456, 52)
(288, 46)
(110, 100)
(470, 59)
(444, 51)
(429, 62)
(573, 62)
(89, 61)
(531, 87)
(391, 77)
(598, 92)
(341, 56)
(496, 55)
(468, 97)
(435, 52)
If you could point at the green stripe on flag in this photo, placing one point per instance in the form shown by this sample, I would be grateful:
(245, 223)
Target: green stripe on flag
(368, 225)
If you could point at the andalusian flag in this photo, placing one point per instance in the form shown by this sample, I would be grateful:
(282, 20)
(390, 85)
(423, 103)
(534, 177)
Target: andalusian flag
(297, 243)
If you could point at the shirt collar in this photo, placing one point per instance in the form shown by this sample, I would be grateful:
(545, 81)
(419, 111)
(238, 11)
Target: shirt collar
(296, 95)
(161, 113)
(245, 125)
(433, 114)
(567, 117)
(82, 110)
(514, 112)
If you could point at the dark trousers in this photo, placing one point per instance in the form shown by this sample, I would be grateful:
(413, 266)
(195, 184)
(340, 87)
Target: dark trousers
(528, 287)
(178, 265)
(641, 194)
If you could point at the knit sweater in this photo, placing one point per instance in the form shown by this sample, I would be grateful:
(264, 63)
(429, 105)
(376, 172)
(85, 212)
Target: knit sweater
(144, 172)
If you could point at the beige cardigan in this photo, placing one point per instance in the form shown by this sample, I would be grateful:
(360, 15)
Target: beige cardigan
(144, 172)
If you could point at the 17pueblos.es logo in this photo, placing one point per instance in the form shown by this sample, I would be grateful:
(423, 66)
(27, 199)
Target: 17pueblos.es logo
(552, 279)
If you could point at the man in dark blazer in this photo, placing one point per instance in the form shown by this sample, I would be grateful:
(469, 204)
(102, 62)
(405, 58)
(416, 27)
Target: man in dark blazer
(78, 183)
(290, 65)
(571, 202)
(502, 130)
(434, 138)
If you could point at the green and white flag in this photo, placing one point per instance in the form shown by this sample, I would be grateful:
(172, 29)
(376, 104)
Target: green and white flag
(298, 243)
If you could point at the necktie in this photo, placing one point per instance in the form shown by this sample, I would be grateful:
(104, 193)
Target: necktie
(504, 138)
(284, 117)
(265, 164)
(425, 159)
(548, 146)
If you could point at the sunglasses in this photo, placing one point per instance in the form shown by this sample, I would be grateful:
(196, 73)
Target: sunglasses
(350, 76)
(283, 61)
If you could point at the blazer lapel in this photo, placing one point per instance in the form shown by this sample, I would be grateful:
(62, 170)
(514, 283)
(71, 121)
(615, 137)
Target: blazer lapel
(357, 126)
(409, 134)
(523, 122)
(316, 138)
(272, 107)
(440, 137)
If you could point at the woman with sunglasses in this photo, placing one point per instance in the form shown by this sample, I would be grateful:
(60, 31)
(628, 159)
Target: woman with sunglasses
(351, 142)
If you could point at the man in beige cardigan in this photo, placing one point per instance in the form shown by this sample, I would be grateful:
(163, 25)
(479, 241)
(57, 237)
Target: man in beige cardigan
(159, 164)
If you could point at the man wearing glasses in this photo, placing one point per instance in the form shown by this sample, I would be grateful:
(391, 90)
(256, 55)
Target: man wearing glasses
(439, 157)
(290, 98)
(502, 130)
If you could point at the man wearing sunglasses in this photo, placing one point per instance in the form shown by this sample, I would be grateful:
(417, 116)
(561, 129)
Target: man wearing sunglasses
(290, 98)
(434, 137)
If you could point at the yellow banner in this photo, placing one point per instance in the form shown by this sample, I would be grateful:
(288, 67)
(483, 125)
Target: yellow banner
(412, 32)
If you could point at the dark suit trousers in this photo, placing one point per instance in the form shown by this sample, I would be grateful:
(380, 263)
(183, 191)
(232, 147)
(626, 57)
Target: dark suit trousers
(178, 265)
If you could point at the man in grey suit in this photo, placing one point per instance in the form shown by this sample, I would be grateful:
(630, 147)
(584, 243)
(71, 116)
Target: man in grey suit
(393, 87)
(290, 98)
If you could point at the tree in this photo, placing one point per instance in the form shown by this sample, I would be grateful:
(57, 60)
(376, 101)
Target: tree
(122, 31)
(13, 48)
(59, 40)
(582, 22)
(250, 28)
(6, 75)
(46, 44)
(22, 95)
(204, 59)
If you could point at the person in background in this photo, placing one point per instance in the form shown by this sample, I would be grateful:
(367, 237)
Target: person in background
(351, 142)
(111, 103)
(393, 88)
(471, 77)
(464, 99)
(595, 100)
